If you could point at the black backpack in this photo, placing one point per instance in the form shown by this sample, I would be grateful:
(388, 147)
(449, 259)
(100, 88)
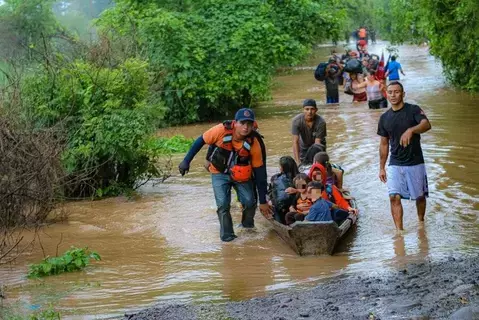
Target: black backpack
(280, 199)
(320, 72)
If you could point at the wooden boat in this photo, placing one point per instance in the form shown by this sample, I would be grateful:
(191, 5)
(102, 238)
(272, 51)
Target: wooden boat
(314, 237)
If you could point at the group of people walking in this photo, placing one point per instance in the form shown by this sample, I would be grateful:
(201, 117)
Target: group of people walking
(237, 159)
(362, 75)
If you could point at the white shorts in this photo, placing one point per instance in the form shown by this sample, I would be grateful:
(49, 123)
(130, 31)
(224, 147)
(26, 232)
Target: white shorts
(410, 182)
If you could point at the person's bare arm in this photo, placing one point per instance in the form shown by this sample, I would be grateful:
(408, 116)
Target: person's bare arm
(383, 156)
(296, 148)
(362, 84)
(422, 127)
(381, 86)
(402, 72)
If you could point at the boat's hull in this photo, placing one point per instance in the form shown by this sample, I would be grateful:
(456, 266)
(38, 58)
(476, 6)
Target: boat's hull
(314, 237)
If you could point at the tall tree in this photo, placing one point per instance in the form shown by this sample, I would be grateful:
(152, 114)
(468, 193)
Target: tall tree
(26, 26)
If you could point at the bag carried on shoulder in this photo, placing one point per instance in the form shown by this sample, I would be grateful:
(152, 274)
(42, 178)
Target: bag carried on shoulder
(353, 66)
(320, 72)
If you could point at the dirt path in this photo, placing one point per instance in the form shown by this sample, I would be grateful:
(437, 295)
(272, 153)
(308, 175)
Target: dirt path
(448, 289)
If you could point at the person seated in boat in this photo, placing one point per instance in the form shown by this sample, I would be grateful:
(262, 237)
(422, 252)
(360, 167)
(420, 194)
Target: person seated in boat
(330, 192)
(280, 199)
(309, 157)
(302, 203)
(334, 172)
(322, 209)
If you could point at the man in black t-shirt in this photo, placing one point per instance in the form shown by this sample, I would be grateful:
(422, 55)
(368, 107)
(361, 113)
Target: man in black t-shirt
(308, 128)
(400, 128)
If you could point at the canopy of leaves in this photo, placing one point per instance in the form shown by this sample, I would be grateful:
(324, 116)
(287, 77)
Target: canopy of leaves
(450, 27)
(26, 25)
(453, 30)
(216, 55)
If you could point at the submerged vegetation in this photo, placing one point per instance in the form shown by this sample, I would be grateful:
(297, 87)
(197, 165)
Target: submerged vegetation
(16, 313)
(74, 259)
(175, 144)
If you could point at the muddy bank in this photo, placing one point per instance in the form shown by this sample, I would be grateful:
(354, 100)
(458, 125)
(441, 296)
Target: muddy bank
(448, 289)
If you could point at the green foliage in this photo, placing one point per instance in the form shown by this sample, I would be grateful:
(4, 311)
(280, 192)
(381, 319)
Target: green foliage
(213, 56)
(359, 13)
(453, 30)
(407, 21)
(175, 144)
(15, 312)
(74, 259)
(107, 116)
(27, 27)
(450, 27)
(48, 314)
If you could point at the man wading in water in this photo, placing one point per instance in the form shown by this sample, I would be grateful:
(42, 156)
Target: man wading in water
(400, 127)
(236, 156)
(308, 128)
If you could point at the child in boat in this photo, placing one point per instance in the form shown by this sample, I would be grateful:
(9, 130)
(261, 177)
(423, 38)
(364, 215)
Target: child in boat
(301, 206)
(322, 209)
(309, 158)
(330, 191)
(280, 199)
(334, 174)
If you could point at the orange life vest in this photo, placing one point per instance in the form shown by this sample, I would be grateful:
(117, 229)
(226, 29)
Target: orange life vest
(301, 202)
(362, 33)
(228, 160)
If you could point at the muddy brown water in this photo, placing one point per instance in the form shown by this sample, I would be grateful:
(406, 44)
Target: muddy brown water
(164, 245)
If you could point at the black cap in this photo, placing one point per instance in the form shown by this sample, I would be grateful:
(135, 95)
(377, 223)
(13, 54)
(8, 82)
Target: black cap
(309, 103)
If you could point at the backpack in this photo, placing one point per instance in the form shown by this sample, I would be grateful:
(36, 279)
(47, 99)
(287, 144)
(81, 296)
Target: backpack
(320, 72)
(280, 199)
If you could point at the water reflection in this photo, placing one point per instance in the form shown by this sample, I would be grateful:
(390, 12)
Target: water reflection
(240, 268)
(419, 244)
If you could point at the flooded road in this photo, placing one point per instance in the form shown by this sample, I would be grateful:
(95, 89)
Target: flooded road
(164, 246)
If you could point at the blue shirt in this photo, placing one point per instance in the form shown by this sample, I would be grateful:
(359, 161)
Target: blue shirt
(320, 211)
(393, 68)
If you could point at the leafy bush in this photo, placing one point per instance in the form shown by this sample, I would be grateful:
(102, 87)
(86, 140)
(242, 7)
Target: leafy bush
(72, 260)
(217, 55)
(175, 144)
(48, 314)
(107, 118)
(451, 28)
(453, 31)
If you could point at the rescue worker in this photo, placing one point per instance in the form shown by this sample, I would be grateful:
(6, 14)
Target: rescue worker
(237, 157)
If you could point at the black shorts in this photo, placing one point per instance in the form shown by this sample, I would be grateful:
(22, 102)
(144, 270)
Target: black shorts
(376, 104)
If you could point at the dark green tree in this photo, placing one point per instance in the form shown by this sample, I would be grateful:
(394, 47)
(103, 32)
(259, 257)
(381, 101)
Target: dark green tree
(213, 56)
